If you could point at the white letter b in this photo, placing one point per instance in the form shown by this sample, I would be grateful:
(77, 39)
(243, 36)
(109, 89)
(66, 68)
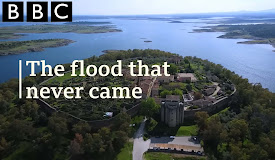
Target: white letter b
(15, 8)
(38, 11)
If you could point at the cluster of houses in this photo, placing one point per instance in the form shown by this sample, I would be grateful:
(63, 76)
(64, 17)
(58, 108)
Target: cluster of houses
(209, 90)
(173, 106)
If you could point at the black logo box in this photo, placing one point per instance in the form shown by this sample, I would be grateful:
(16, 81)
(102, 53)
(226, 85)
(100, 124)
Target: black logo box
(61, 11)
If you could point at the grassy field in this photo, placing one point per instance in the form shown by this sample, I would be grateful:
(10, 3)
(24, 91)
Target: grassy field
(61, 79)
(158, 156)
(126, 152)
(17, 47)
(187, 130)
(166, 156)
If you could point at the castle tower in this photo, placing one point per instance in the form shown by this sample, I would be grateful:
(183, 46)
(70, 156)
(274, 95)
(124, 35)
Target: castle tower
(172, 111)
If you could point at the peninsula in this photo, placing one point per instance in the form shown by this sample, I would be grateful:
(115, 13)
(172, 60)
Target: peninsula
(256, 33)
(9, 36)
(12, 32)
(17, 47)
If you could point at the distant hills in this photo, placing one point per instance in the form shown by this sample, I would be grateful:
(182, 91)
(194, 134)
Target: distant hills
(269, 10)
(270, 13)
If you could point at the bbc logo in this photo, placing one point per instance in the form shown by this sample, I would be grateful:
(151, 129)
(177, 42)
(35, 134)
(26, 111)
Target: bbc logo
(37, 11)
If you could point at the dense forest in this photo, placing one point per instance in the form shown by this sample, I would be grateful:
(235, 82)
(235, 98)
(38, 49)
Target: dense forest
(245, 131)
(28, 133)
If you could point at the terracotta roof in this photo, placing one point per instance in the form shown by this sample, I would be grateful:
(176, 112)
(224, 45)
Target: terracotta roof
(167, 78)
(187, 75)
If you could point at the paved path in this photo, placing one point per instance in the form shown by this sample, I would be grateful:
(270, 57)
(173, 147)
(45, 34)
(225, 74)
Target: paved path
(217, 89)
(140, 146)
(151, 86)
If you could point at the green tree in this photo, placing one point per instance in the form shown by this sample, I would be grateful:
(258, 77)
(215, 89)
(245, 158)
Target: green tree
(122, 123)
(189, 87)
(58, 125)
(197, 95)
(88, 144)
(120, 138)
(173, 69)
(20, 130)
(29, 109)
(4, 145)
(4, 105)
(151, 125)
(98, 143)
(107, 139)
(177, 92)
(201, 120)
(238, 129)
(81, 127)
(105, 133)
(211, 135)
(164, 93)
(149, 107)
(29, 81)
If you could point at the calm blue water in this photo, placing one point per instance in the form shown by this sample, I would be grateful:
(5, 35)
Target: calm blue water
(255, 62)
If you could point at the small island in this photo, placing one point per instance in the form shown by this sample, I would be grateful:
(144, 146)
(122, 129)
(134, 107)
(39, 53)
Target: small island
(256, 33)
(176, 22)
(17, 47)
(147, 41)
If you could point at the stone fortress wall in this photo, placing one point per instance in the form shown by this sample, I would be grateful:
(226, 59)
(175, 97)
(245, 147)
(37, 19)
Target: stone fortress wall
(216, 107)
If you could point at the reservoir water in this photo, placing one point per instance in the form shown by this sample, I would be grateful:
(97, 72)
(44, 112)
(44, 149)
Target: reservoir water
(255, 62)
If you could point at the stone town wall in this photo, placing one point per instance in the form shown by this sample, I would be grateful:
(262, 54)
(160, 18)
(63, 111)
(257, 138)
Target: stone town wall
(216, 107)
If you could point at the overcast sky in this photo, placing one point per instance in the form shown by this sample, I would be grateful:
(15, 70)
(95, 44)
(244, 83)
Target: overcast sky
(134, 7)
